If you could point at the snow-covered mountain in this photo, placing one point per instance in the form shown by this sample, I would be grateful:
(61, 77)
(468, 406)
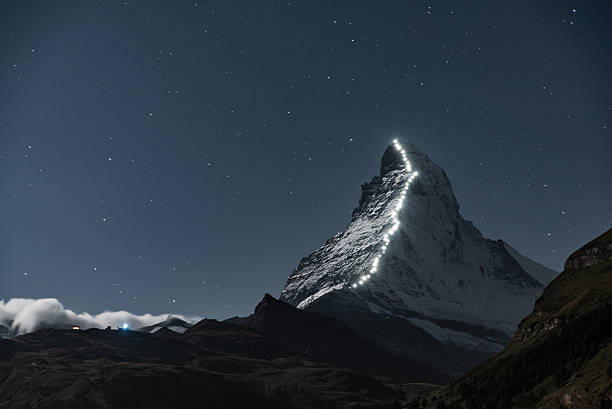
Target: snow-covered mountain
(410, 274)
(172, 323)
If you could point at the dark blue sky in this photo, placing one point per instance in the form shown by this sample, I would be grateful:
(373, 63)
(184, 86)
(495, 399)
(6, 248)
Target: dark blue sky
(182, 157)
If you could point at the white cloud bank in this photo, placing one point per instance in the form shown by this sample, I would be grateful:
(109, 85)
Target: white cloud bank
(23, 315)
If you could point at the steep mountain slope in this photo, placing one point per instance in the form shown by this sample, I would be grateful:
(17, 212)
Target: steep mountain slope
(328, 340)
(561, 354)
(541, 273)
(439, 288)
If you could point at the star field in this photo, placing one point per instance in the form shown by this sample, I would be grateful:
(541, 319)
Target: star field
(183, 156)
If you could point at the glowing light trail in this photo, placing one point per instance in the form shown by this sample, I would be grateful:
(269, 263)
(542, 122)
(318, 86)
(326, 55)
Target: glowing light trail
(394, 217)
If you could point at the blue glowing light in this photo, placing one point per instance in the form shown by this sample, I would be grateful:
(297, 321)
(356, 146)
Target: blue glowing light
(125, 325)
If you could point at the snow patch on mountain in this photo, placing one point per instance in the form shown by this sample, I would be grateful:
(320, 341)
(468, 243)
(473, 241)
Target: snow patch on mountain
(460, 338)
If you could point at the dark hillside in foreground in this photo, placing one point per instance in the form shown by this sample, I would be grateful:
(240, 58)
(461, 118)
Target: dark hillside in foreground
(213, 364)
(561, 354)
(328, 340)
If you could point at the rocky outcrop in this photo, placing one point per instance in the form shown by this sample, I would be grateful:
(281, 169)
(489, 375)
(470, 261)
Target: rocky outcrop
(594, 253)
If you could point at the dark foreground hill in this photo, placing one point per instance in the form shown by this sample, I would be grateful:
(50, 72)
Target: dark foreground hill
(561, 354)
(212, 365)
(328, 340)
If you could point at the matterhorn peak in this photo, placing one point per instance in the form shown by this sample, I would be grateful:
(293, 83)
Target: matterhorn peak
(392, 158)
(409, 254)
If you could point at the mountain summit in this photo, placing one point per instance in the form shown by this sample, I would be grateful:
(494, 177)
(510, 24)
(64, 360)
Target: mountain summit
(412, 275)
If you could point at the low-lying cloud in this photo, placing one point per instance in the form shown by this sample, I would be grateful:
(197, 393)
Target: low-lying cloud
(23, 315)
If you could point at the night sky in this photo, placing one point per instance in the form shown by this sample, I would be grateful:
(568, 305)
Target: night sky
(182, 157)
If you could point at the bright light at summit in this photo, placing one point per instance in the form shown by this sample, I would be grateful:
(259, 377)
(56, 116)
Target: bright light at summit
(394, 217)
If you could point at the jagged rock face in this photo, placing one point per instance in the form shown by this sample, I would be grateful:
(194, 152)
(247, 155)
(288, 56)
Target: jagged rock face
(439, 273)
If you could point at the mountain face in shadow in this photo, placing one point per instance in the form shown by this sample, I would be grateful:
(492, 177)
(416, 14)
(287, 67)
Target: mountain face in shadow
(328, 340)
(441, 294)
(561, 354)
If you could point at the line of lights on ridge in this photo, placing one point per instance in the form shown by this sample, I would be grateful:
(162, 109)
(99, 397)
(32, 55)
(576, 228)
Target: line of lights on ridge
(394, 217)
